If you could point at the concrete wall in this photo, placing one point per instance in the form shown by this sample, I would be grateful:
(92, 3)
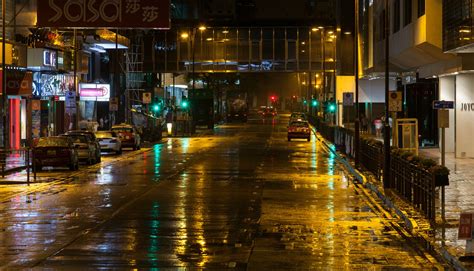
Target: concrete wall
(447, 93)
(373, 91)
(464, 117)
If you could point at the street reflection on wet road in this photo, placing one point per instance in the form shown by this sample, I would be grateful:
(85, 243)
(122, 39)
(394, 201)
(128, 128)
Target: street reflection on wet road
(243, 198)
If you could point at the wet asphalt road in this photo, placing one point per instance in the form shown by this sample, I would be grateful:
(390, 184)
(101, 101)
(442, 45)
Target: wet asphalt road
(243, 198)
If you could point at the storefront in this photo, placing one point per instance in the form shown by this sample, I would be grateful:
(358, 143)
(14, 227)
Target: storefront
(53, 84)
(458, 88)
(19, 89)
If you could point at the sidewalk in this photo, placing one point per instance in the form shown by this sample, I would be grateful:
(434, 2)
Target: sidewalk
(14, 162)
(459, 194)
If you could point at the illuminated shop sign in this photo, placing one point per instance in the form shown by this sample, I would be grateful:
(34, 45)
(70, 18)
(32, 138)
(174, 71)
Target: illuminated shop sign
(18, 82)
(47, 85)
(49, 58)
(94, 92)
(105, 13)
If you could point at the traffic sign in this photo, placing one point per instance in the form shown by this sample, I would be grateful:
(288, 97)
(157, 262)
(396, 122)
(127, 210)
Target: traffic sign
(348, 99)
(395, 101)
(70, 99)
(443, 105)
(146, 98)
(113, 104)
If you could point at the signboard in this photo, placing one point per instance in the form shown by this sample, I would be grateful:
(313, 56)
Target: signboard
(36, 118)
(443, 104)
(406, 135)
(70, 99)
(106, 13)
(35, 105)
(18, 82)
(443, 118)
(146, 98)
(94, 92)
(113, 104)
(465, 226)
(395, 101)
(348, 99)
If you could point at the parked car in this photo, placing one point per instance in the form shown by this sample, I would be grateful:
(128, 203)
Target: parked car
(86, 147)
(55, 151)
(299, 129)
(128, 135)
(109, 141)
(98, 157)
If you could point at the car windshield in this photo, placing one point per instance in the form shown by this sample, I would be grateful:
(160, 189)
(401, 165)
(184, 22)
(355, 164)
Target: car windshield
(122, 130)
(78, 138)
(53, 142)
(297, 116)
(299, 124)
(105, 135)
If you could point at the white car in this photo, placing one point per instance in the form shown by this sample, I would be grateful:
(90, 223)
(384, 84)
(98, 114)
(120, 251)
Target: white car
(109, 141)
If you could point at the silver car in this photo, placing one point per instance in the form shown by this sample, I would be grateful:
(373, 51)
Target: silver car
(109, 141)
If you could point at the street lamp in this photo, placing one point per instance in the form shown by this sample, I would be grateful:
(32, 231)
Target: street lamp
(386, 143)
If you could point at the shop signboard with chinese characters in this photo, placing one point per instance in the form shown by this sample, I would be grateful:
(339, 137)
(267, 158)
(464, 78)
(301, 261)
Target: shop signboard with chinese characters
(107, 13)
(94, 92)
(19, 82)
(36, 118)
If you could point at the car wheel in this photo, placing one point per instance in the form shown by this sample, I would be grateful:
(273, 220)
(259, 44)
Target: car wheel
(119, 151)
(138, 147)
(72, 166)
(309, 139)
(289, 138)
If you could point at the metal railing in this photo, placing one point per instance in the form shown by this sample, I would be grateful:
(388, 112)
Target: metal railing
(411, 182)
(415, 184)
(14, 160)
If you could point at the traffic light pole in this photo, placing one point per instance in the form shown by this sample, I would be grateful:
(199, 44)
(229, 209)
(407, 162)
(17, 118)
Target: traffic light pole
(356, 76)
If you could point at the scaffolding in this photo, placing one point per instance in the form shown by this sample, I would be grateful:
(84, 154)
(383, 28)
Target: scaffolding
(134, 75)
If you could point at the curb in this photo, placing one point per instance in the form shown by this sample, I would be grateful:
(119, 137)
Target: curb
(410, 223)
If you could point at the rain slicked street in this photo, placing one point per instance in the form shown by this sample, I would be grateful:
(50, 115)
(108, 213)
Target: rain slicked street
(242, 198)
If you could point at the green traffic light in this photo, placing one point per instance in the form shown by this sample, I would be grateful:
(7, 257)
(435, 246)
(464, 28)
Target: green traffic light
(305, 102)
(315, 103)
(156, 108)
(332, 108)
(184, 104)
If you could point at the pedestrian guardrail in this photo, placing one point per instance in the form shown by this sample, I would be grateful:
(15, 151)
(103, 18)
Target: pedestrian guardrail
(410, 181)
(14, 159)
(415, 184)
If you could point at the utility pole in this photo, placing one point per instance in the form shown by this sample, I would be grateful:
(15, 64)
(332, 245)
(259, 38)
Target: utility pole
(386, 171)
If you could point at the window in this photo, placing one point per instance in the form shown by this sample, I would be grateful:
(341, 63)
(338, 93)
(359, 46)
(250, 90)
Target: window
(396, 16)
(421, 8)
(407, 12)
